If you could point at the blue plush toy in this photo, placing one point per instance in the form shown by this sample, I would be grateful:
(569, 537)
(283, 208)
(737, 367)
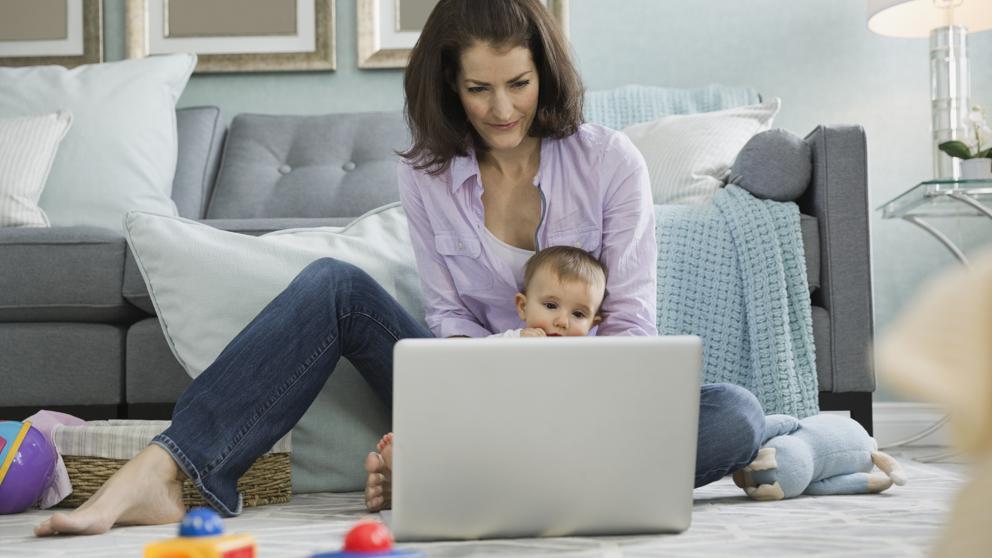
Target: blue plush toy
(818, 455)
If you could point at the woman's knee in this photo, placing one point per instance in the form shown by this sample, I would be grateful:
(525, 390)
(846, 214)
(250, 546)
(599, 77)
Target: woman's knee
(330, 271)
(742, 414)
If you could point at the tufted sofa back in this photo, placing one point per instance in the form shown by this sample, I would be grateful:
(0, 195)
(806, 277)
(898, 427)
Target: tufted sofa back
(280, 166)
(343, 165)
(338, 165)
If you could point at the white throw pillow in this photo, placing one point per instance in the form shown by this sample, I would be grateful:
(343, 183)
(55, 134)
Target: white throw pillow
(207, 285)
(689, 155)
(27, 148)
(121, 151)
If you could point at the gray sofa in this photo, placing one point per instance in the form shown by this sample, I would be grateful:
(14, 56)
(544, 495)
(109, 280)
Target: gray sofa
(78, 331)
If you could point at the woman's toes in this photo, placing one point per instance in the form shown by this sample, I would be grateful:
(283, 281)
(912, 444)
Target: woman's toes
(385, 441)
(373, 462)
(387, 459)
(44, 529)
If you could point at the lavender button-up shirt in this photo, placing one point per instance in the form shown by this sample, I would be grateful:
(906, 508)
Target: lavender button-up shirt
(595, 195)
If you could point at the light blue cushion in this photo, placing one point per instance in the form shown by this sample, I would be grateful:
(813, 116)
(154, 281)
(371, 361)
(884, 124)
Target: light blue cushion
(631, 104)
(120, 153)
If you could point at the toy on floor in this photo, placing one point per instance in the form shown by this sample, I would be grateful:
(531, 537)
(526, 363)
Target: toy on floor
(818, 455)
(367, 539)
(27, 465)
(201, 535)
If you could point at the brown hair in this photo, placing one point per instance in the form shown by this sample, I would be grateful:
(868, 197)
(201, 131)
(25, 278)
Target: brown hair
(568, 263)
(434, 111)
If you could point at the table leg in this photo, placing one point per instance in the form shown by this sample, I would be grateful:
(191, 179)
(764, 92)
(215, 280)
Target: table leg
(942, 238)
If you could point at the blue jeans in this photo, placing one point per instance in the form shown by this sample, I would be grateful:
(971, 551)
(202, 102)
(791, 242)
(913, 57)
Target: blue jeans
(266, 378)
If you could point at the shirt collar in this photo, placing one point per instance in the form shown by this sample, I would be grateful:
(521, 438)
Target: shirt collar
(466, 166)
(463, 167)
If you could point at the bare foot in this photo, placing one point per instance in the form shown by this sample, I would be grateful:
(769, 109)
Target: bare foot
(379, 466)
(146, 491)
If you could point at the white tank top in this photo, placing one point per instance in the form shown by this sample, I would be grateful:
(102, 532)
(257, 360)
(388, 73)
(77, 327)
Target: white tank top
(515, 257)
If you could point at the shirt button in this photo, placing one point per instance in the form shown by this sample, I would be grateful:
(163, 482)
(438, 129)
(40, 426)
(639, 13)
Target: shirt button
(578, 244)
(349, 166)
(284, 169)
(460, 245)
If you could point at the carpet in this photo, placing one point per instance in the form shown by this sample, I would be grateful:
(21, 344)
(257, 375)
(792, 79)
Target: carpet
(903, 521)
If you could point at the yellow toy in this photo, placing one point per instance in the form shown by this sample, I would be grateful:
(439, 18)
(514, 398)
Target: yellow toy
(201, 535)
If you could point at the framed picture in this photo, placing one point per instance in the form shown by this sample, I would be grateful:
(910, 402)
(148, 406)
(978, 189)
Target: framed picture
(235, 35)
(388, 29)
(63, 32)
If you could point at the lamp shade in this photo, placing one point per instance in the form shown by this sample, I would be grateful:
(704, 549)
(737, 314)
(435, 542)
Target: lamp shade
(915, 18)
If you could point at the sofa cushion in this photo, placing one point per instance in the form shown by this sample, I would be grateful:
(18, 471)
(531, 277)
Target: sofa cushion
(153, 373)
(27, 148)
(201, 133)
(120, 153)
(67, 274)
(688, 156)
(135, 290)
(811, 248)
(632, 104)
(821, 336)
(774, 165)
(337, 165)
(84, 370)
(208, 284)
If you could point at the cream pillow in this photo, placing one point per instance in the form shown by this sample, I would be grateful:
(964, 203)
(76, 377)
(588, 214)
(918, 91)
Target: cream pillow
(121, 151)
(27, 147)
(689, 155)
(207, 284)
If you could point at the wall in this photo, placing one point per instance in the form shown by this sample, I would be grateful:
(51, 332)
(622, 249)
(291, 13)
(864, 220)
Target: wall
(817, 55)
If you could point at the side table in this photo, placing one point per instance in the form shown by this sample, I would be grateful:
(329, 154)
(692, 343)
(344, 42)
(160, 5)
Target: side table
(939, 198)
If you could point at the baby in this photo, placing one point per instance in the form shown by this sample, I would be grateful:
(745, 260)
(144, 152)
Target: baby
(563, 292)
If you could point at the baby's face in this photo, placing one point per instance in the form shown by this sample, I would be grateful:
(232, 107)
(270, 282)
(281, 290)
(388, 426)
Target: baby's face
(566, 308)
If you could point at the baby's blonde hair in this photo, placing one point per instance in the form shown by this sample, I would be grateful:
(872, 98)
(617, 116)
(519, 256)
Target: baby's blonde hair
(568, 263)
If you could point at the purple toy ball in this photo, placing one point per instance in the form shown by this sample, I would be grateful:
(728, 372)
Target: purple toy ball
(27, 465)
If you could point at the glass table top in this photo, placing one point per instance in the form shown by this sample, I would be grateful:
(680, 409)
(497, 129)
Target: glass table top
(932, 198)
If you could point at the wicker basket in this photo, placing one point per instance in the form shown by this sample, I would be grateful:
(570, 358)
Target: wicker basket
(267, 481)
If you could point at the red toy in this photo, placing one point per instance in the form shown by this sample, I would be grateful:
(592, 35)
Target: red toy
(367, 539)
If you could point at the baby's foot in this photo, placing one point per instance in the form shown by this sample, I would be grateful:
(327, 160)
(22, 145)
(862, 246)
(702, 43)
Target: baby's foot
(379, 466)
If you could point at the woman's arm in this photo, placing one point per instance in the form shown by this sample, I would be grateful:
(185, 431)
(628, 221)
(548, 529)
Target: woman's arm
(446, 316)
(629, 251)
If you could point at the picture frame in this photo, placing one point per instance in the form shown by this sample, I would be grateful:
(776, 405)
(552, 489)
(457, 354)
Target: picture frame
(42, 40)
(381, 45)
(283, 36)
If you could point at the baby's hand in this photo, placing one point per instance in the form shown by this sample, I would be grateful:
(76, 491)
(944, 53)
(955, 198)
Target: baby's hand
(532, 332)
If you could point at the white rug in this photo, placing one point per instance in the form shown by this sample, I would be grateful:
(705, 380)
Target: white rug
(904, 521)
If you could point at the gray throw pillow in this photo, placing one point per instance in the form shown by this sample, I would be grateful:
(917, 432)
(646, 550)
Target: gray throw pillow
(774, 165)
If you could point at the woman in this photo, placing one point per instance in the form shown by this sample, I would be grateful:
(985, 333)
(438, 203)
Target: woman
(493, 99)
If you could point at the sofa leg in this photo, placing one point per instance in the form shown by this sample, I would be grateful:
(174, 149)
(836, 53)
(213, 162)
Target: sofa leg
(858, 403)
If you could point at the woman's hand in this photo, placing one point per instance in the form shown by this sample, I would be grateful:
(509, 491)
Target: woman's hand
(532, 332)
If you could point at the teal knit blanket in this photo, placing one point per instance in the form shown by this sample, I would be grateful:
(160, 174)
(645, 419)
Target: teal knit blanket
(734, 274)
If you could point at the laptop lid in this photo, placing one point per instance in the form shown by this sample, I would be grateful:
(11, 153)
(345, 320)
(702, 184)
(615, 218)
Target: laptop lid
(544, 437)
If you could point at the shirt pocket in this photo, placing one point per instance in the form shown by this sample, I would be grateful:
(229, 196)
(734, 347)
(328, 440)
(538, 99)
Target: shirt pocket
(588, 238)
(463, 258)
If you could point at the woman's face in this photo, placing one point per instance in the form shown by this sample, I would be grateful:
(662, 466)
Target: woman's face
(498, 89)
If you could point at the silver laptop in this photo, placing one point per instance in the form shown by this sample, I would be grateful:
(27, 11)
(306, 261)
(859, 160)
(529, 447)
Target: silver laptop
(544, 437)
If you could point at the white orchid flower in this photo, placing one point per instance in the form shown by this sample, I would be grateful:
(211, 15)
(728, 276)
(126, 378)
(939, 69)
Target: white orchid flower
(982, 133)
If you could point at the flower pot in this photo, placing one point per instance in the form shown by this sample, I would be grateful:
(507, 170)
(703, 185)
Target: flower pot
(976, 169)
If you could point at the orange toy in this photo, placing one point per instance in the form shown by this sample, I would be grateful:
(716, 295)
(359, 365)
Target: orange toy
(201, 535)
